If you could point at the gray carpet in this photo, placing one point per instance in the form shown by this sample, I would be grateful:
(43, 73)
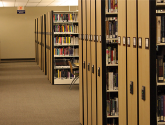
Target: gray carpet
(28, 98)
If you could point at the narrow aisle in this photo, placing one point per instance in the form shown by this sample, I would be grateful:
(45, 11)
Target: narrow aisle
(27, 97)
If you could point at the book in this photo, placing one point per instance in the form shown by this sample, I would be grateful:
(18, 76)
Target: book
(162, 29)
(110, 80)
(161, 109)
(158, 29)
(160, 69)
(158, 109)
(65, 17)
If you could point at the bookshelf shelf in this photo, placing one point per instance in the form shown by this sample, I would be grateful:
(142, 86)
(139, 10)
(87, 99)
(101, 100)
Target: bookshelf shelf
(115, 13)
(112, 65)
(64, 67)
(161, 44)
(161, 123)
(64, 81)
(64, 22)
(159, 84)
(64, 56)
(65, 11)
(112, 116)
(67, 45)
(112, 90)
(111, 38)
(57, 33)
(160, 4)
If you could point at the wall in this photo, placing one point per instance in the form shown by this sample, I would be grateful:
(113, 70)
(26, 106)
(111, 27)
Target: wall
(17, 30)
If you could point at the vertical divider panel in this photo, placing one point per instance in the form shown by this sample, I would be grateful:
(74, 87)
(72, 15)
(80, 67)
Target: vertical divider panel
(132, 61)
(39, 40)
(37, 45)
(35, 40)
(93, 60)
(44, 45)
(48, 44)
(89, 68)
(122, 63)
(51, 49)
(144, 62)
(147, 61)
(85, 63)
(99, 63)
(80, 61)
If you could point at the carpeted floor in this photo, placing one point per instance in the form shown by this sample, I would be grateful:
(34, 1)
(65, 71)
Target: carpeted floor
(27, 97)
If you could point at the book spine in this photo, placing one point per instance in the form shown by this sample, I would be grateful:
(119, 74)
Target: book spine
(158, 29)
(164, 108)
(159, 108)
(161, 111)
(113, 107)
(164, 72)
(160, 69)
(162, 29)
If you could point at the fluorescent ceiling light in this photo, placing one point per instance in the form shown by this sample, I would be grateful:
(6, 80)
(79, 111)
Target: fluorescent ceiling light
(70, 3)
(8, 4)
(1, 4)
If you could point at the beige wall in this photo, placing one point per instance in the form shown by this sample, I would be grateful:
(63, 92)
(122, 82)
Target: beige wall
(17, 30)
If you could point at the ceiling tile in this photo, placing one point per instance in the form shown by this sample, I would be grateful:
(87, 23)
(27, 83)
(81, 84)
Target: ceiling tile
(31, 4)
(44, 4)
(33, 1)
(21, 0)
(57, 2)
(20, 3)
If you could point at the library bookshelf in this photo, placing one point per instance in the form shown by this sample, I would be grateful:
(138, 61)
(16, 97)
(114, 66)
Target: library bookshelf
(160, 45)
(65, 45)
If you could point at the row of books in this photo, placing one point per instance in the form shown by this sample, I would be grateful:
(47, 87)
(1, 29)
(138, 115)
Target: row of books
(111, 27)
(66, 51)
(111, 56)
(66, 40)
(65, 17)
(111, 6)
(160, 1)
(112, 81)
(111, 41)
(160, 29)
(65, 74)
(59, 63)
(113, 107)
(66, 28)
(161, 108)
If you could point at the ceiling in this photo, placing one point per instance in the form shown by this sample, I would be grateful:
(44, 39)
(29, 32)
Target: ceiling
(33, 3)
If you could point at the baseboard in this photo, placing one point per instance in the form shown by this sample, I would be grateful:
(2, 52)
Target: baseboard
(18, 60)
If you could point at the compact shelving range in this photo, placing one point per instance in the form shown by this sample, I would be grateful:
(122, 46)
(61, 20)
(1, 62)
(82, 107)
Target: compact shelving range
(65, 45)
(160, 60)
(111, 27)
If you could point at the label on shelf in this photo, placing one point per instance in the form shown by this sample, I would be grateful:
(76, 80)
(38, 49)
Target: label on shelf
(140, 42)
(161, 78)
(123, 40)
(134, 41)
(119, 40)
(128, 41)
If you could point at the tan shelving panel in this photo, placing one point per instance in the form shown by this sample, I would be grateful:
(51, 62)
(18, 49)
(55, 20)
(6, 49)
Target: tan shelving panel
(99, 63)
(144, 61)
(85, 85)
(132, 61)
(80, 62)
(89, 68)
(122, 62)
